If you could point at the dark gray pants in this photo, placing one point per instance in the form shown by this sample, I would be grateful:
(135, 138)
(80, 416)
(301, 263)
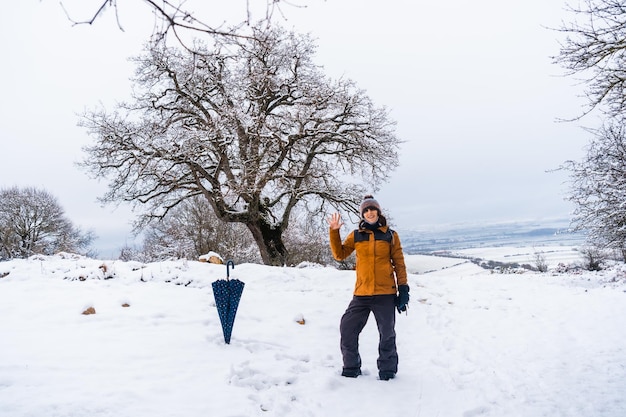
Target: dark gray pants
(353, 321)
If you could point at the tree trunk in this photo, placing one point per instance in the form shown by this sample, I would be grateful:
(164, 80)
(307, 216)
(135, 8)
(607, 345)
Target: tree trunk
(270, 242)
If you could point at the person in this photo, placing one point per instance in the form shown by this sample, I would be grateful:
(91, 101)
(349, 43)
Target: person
(381, 287)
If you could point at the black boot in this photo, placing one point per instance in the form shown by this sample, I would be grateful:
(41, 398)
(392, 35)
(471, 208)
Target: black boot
(351, 372)
(386, 375)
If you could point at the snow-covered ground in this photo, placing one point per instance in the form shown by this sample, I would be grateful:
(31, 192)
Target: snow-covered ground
(552, 255)
(473, 343)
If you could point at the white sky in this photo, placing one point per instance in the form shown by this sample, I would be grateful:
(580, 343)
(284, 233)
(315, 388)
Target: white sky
(471, 85)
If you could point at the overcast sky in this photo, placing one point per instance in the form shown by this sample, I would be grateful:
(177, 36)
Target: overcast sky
(471, 85)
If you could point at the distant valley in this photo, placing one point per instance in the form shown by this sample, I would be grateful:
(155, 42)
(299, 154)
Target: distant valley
(465, 236)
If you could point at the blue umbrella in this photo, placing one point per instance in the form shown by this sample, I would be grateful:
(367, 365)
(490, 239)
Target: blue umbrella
(227, 294)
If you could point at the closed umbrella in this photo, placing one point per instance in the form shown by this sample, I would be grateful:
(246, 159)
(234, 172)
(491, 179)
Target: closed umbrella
(227, 293)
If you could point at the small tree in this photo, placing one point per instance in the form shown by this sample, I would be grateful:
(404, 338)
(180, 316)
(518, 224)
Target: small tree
(191, 229)
(32, 221)
(251, 125)
(307, 241)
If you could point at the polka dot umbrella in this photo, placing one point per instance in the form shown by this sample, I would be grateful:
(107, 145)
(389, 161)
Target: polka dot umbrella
(227, 293)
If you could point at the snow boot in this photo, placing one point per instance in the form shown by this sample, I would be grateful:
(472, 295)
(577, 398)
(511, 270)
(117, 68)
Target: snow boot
(386, 375)
(351, 372)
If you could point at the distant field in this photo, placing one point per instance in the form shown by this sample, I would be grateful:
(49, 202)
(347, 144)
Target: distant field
(524, 255)
(505, 235)
(553, 255)
(510, 243)
(421, 264)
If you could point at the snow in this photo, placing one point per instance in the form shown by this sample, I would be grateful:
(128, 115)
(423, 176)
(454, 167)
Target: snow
(524, 254)
(473, 343)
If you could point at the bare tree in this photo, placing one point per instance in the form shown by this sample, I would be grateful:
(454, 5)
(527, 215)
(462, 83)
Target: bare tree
(598, 188)
(32, 221)
(252, 125)
(191, 229)
(307, 240)
(595, 49)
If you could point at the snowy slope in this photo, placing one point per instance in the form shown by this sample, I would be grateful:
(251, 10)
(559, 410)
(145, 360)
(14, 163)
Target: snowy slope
(473, 343)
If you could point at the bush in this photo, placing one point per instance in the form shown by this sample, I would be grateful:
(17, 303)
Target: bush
(593, 257)
(540, 262)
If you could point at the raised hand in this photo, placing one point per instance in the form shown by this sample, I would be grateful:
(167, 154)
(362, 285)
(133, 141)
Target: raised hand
(334, 221)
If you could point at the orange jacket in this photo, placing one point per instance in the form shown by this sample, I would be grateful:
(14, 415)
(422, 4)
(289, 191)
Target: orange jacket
(380, 264)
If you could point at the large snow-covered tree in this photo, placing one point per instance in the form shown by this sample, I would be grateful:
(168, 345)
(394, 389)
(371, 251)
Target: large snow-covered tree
(598, 188)
(251, 124)
(32, 221)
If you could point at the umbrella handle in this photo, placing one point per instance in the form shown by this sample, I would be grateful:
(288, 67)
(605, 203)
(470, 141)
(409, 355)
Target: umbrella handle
(228, 264)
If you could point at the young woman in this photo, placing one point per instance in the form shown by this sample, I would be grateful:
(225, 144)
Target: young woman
(381, 287)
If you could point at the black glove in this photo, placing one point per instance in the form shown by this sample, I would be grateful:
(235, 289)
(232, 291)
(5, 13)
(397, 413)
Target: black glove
(402, 300)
